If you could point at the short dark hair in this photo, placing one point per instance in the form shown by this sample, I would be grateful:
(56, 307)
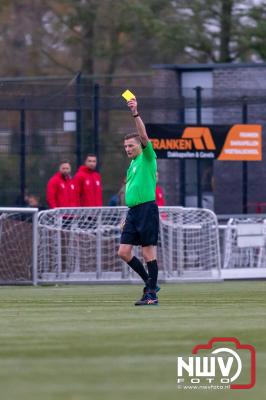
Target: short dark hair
(133, 135)
(90, 155)
(64, 161)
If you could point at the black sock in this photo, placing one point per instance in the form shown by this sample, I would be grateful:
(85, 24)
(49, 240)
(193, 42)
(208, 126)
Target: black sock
(138, 267)
(153, 274)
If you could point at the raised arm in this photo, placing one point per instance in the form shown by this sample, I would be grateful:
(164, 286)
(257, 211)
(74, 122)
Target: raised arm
(133, 105)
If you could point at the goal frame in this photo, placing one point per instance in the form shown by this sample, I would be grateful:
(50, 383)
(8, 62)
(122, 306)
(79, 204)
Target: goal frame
(125, 275)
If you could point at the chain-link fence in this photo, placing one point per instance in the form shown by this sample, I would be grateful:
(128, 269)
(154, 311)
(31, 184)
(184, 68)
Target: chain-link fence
(45, 120)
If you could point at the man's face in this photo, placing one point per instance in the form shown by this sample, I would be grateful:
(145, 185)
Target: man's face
(65, 169)
(91, 162)
(33, 201)
(132, 147)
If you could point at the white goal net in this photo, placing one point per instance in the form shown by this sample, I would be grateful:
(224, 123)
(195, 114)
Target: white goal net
(245, 243)
(81, 244)
(18, 245)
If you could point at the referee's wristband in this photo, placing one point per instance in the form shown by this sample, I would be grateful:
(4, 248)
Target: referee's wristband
(135, 116)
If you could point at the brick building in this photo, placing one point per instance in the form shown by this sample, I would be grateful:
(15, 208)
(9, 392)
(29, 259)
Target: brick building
(226, 88)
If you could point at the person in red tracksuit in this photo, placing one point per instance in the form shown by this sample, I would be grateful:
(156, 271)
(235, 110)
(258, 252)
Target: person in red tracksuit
(89, 183)
(159, 193)
(61, 189)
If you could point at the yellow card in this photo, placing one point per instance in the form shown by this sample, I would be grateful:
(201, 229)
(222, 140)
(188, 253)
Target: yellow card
(128, 95)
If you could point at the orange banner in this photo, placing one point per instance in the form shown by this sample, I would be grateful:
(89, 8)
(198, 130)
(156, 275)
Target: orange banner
(243, 142)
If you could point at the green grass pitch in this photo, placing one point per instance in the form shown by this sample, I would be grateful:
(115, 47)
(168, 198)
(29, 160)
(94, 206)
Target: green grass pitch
(90, 342)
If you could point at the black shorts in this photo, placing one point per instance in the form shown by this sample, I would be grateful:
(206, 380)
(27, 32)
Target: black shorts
(142, 225)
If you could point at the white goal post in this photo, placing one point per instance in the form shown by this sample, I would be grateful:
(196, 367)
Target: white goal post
(18, 245)
(80, 245)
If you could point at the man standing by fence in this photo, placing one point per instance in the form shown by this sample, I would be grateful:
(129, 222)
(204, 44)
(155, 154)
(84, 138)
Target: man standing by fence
(61, 190)
(89, 183)
(142, 222)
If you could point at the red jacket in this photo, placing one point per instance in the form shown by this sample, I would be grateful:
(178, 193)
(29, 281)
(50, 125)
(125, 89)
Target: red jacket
(159, 196)
(89, 187)
(61, 192)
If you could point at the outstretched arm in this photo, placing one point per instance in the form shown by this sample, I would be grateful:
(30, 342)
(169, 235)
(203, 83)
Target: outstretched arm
(133, 105)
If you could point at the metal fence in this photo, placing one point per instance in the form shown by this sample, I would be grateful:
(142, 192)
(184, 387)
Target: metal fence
(18, 245)
(80, 245)
(44, 120)
(243, 245)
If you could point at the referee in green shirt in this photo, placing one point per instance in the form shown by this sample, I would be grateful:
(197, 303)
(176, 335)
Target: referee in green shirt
(142, 222)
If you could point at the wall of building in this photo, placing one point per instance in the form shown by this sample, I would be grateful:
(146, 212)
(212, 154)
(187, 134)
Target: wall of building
(228, 84)
(239, 82)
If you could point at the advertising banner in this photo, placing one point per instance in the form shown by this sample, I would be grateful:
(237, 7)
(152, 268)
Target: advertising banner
(240, 142)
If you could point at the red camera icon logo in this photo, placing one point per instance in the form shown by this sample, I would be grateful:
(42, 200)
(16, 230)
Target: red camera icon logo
(225, 365)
